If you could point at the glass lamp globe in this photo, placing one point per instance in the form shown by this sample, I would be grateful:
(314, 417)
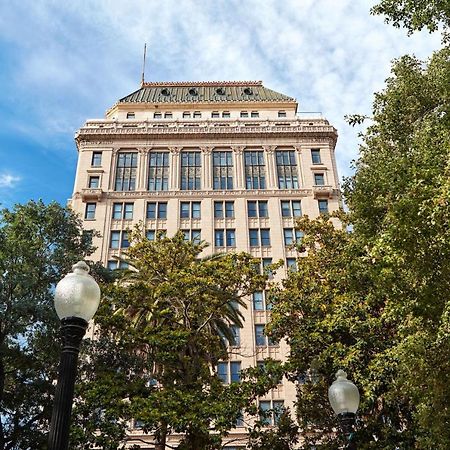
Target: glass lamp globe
(77, 294)
(343, 395)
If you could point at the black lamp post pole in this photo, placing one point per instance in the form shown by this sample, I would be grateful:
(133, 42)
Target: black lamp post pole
(72, 330)
(347, 422)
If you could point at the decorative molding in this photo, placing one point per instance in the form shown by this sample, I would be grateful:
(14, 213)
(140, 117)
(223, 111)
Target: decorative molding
(269, 148)
(207, 149)
(175, 149)
(239, 149)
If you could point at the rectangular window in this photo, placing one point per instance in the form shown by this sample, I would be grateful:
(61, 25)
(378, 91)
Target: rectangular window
(218, 210)
(157, 115)
(219, 238)
(190, 210)
(130, 115)
(158, 171)
(191, 168)
(265, 237)
(235, 372)
(186, 115)
(319, 179)
(162, 210)
(260, 337)
(244, 113)
(117, 211)
(255, 174)
(254, 114)
(197, 114)
(150, 235)
(229, 210)
(265, 263)
(262, 208)
(289, 234)
(222, 170)
(257, 208)
(196, 236)
(128, 211)
(254, 237)
(315, 156)
(265, 416)
(236, 332)
(185, 210)
(125, 243)
(112, 264)
(252, 211)
(215, 114)
(231, 238)
(151, 210)
(222, 371)
(168, 115)
(157, 210)
(96, 159)
(281, 113)
(90, 211)
(258, 301)
(291, 208)
(226, 114)
(115, 239)
(278, 409)
(323, 206)
(223, 209)
(291, 264)
(126, 171)
(94, 182)
(287, 169)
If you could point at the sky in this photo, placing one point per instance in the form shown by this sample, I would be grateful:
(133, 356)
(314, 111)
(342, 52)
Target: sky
(63, 62)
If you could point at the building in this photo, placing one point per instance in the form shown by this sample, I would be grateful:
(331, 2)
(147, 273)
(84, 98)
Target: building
(231, 163)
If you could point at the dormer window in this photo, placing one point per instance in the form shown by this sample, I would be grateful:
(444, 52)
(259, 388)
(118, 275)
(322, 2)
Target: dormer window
(226, 114)
(167, 115)
(248, 91)
(193, 91)
(244, 113)
(157, 115)
(186, 115)
(281, 113)
(220, 91)
(131, 115)
(255, 114)
(165, 92)
(215, 114)
(197, 114)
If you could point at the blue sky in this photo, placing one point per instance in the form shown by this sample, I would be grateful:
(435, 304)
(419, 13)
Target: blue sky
(64, 62)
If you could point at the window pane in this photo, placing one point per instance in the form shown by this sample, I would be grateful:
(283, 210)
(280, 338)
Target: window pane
(222, 371)
(258, 301)
(288, 236)
(222, 170)
(219, 238)
(117, 211)
(263, 211)
(254, 238)
(125, 242)
(287, 170)
(229, 210)
(151, 210)
(128, 213)
(112, 265)
(265, 237)
(251, 205)
(94, 182)
(190, 171)
(315, 156)
(162, 210)
(196, 208)
(286, 208)
(323, 206)
(218, 210)
(184, 210)
(96, 159)
(231, 239)
(235, 371)
(236, 332)
(319, 179)
(196, 236)
(291, 264)
(150, 235)
(254, 170)
(260, 337)
(158, 171)
(265, 416)
(297, 208)
(126, 170)
(90, 211)
(115, 239)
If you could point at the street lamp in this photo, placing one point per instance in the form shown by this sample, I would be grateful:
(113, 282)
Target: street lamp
(344, 399)
(77, 297)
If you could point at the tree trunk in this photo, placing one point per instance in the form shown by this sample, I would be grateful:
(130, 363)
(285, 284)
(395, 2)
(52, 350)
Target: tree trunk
(161, 437)
(2, 387)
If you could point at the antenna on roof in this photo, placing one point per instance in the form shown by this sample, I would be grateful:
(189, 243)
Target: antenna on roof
(143, 66)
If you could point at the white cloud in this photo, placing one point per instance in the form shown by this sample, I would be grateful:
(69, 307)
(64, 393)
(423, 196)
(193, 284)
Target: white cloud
(8, 180)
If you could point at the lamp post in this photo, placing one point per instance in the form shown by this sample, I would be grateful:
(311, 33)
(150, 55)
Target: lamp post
(77, 297)
(344, 399)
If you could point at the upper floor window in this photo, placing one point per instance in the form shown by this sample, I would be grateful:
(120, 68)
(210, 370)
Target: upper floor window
(289, 234)
(96, 159)
(126, 171)
(223, 209)
(255, 172)
(244, 113)
(259, 237)
(259, 301)
(215, 114)
(222, 170)
(291, 264)
(315, 156)
(197, 114)
(122, 211)
(90, 210)
(226, 114)
(281, 113)
(270, 411)
(131, 115)
(186, 115)
(168, 115)
(192, 235)
(191, 171)
(119, 239)
(157, 115)
(323, 206)
(291, 208)
(257, 208)
(225, 238)
(254, 114)
(319, 179)
(158, 171)
(229, 372)
(157, 210)
(287, 169)
(190, 210)
(94, 182)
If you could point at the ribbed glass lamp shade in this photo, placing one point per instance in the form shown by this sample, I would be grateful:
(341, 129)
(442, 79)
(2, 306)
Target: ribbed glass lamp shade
(77, 294)
(343, 394)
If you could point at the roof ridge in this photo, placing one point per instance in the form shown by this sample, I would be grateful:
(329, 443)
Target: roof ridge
(201, 83)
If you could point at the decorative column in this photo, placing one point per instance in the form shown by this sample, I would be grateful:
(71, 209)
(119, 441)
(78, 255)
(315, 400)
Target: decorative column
(113, 167)
(175, 168)
(142, 168)
(298, 156)
(239, 168)
(206, 168)
(270, 166)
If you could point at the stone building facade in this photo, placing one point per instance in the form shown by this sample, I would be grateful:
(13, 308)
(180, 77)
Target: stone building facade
(230, 163)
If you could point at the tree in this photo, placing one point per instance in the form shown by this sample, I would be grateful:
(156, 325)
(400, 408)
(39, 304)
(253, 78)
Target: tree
(169, 319)
(415, 15)
(38, 244)
(375, 301)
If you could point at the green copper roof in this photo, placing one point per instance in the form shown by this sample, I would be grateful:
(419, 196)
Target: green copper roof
(204, 92)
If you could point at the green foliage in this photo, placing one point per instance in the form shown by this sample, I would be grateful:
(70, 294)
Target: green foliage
(38, 245)
(415, 14)
(161, 329)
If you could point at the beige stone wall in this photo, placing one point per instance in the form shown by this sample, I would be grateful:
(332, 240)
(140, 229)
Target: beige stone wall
(299, 135)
